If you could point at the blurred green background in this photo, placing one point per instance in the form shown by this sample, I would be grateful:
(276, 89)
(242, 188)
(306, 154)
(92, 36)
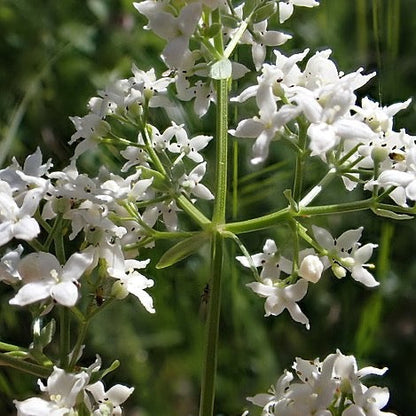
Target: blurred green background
(55, 55)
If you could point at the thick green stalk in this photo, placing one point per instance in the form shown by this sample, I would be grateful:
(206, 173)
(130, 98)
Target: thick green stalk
(206, 406)
(285, 214)
(222, 152)
(259, 223)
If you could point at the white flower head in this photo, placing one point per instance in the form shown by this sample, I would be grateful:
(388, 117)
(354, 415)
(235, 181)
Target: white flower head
(131, 281)
(108, 402)
(185, 146)
(190, 183)
(286, 7)
(61, 390)
(279, 298)
(271, 262)
(8, 265)
(16, 220)
(176, 30)
(43, 277)
(348, 254)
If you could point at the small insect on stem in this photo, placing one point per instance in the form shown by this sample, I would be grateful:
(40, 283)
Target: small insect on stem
(99, 296)
(205, 294)
(203, 310)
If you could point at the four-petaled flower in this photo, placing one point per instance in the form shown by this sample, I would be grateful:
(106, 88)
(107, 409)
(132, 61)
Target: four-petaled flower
(44, 277)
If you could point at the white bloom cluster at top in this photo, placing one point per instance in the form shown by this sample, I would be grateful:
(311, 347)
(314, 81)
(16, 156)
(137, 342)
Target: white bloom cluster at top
(336, 125)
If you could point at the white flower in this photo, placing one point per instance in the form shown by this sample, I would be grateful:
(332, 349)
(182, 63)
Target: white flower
(191, 183)
(167, 210)
(30, 176)
(135, 156)
(131, 281)
(44, 277)
(61, 390)
(151, 89)
(379, 119)
(271, 262)
(16, 221)
(277, 392)
(89, 128)
(108, 402)
(346, 251)
(369, 402)
(279, 298)
(184, 146)
(176, 30)
(8, 265)
(286, 7)
(263, 38)
(325, 388)
(403, 180)
(114, 99)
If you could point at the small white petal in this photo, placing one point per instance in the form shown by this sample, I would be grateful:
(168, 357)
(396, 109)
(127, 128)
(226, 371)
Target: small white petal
(65, 293)
(30, 293)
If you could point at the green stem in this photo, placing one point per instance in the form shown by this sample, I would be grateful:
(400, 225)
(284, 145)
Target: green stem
(285, 214)
(206, 407)
(259, 223)
(4, 346)
(56, 228)
(300, 161)
(152, 153)
(18, 364)
(234, 212)
(184, 203)
(222, 152)
(64, 337)
(81, 337)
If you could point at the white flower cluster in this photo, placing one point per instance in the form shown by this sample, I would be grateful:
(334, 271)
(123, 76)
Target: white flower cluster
(284, 291)
(357, 139)
(35, 195)
(178, 23)
(325, 388)
(65, 393)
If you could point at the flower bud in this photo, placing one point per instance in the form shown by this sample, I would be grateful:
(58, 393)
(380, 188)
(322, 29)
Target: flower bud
(119, 290)
(311, 268)
(338, 271)
(379, 154)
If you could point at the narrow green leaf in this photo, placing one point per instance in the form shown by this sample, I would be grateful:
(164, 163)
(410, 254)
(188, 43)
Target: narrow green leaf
(212, 30)
(264, 12)
(390, 214)
(230, 21)
(98, 375)
(249, 6)
(182, 250)
(47, 333)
